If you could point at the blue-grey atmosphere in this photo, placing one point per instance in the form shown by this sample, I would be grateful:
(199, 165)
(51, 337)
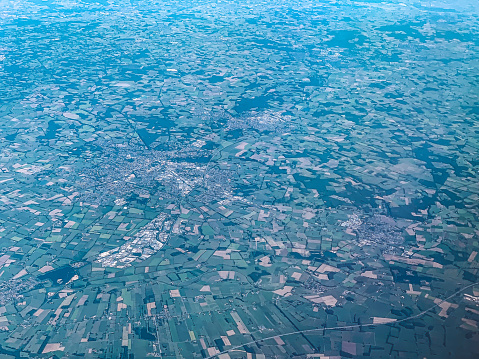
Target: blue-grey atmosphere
(249, 179)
